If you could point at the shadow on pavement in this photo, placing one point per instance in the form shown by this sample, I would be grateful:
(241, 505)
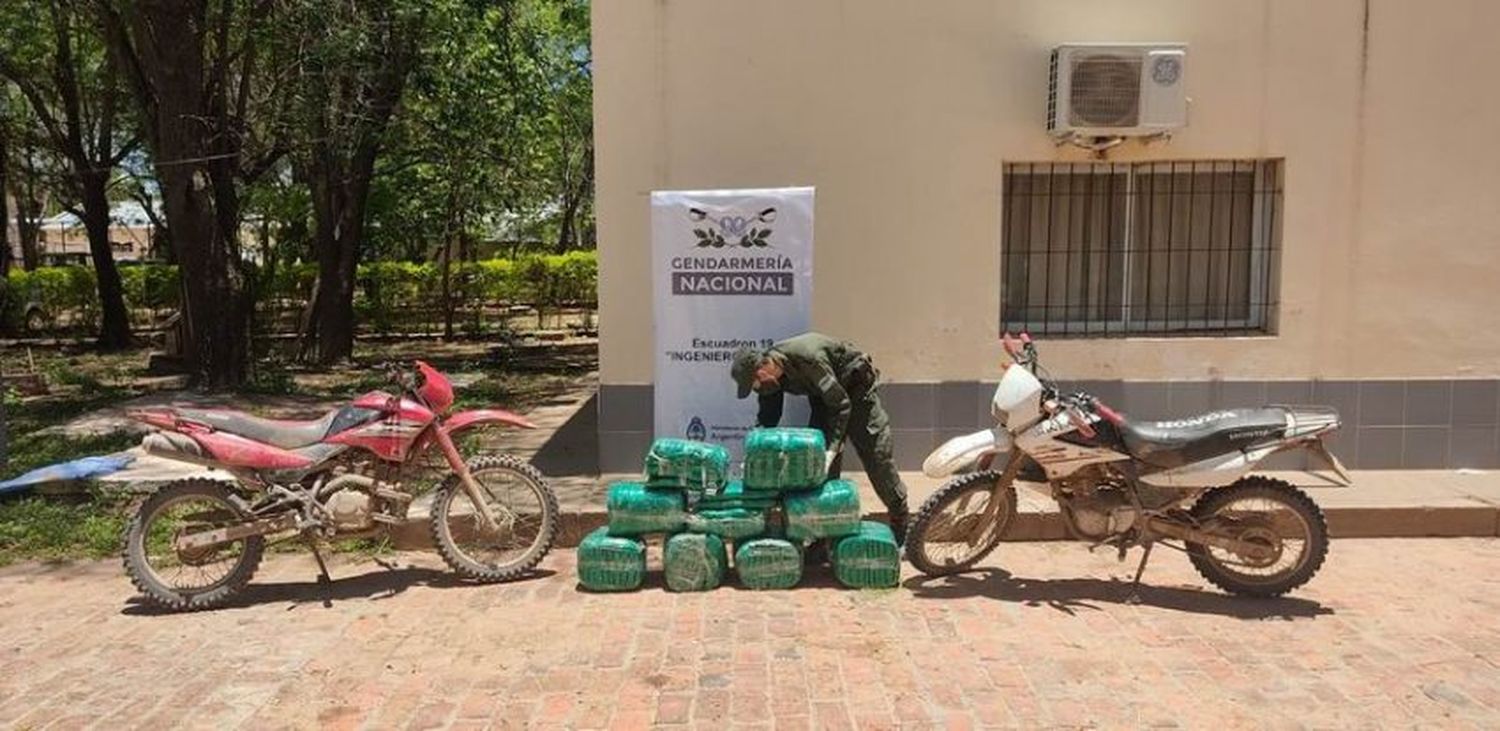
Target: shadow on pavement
(375, 585)
(1070, 595)
(573, 449)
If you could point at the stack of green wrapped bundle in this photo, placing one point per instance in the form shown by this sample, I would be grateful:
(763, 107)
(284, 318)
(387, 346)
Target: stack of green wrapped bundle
(657, 505)
(783, 504)
(789, 464)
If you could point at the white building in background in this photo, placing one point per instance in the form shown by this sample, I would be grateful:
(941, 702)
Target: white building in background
(1324, 228)
(63, 239)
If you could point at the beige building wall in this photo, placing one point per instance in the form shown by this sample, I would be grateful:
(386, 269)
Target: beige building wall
(903, 113)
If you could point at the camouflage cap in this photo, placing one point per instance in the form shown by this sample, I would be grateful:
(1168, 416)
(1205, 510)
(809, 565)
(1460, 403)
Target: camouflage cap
(746, 361)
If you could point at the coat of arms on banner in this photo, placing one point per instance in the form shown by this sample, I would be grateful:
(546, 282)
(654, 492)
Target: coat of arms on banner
(746, 231)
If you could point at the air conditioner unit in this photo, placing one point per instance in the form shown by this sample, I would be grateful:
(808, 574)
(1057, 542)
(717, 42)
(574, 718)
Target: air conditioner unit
(1117, 90)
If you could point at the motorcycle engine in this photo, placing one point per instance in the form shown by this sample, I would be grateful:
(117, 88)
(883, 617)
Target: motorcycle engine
(351, 510)
(1097, 501)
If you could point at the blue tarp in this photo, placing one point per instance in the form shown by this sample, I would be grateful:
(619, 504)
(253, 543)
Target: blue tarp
(78, 469)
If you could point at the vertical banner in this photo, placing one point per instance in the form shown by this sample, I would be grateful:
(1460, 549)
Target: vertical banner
(730, 268)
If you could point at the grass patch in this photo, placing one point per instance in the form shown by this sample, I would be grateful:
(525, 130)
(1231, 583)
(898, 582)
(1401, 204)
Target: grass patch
(34, 528)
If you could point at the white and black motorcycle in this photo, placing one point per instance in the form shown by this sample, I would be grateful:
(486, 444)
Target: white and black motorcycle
(1185, 484)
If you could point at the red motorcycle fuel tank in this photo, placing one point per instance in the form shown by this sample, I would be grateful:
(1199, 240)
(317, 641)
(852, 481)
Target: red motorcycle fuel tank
(392, 436)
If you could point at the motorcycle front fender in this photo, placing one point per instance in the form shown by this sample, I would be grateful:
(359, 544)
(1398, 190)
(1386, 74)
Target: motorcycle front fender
(470, 419)
(962, 453)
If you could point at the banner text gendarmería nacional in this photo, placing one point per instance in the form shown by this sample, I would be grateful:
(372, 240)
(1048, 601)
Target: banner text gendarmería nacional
(731, 268)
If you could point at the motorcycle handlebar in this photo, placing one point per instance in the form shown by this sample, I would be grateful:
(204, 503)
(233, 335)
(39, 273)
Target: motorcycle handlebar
(398, 375)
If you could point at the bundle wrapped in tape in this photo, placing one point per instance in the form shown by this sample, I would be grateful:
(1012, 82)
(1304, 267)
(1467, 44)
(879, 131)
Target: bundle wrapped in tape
(637, 509)
(611, 563)
(694, 562)
(785, 459)
(869, 559)
(831, 511)
(687, 464)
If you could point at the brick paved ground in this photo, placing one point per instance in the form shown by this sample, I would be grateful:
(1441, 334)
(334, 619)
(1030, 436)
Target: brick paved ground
(1392, 633)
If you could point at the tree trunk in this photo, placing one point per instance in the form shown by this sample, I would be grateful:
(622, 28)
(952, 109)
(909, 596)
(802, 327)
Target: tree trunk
(347, 130)
(30, 202)
(340, 228)
(574, 194)
(4, 221)
(215, 306)
(115, 330)
(4, 429)
(163, 48)
(448, 304)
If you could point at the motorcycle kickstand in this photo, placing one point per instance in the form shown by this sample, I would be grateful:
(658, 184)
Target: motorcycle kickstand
(1135, 586)
(325, 583)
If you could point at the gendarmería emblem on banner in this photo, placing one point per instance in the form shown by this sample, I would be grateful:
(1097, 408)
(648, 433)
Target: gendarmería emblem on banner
(750, 267)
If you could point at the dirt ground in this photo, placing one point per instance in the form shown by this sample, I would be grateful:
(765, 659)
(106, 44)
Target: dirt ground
(1391, 633)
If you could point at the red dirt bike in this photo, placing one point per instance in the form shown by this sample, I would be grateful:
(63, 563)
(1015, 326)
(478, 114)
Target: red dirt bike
(195, 543)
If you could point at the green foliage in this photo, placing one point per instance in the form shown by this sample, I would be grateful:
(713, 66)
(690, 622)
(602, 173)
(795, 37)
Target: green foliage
(152, 287)
(270, 378)
(495, 133)
(387, 289)
(487, 157)
(39, 528)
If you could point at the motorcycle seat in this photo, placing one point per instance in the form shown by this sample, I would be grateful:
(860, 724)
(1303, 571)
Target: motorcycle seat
(1184, 441)
(276, 432)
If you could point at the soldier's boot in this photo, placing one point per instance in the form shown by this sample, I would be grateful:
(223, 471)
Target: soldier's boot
(898, 519)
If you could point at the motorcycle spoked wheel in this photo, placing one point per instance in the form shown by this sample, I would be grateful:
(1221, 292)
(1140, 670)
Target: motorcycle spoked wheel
(950, 532)
(1272, 513)
(194, 579)
(513, 489)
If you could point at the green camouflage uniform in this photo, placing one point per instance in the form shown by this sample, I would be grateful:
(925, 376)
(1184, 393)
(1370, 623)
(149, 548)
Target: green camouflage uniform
(841, 385)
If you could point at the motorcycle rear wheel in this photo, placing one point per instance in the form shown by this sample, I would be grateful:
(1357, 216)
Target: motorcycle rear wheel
(513, 488)
(951, 533)
(187, 581)
(1270, 512)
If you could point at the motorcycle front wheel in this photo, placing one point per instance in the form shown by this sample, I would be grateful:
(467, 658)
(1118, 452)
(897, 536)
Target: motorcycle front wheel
(960, 524)
(521, 502)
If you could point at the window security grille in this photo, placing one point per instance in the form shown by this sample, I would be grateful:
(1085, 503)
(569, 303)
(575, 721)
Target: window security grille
(1099, 249)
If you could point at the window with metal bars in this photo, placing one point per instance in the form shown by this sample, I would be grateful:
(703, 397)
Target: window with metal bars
(1103, 249)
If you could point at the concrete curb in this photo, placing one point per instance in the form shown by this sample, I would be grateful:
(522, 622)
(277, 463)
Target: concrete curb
(1343, 522)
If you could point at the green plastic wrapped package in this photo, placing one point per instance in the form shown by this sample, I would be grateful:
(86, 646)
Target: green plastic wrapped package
(635, 509)
(831, 511)
(611, 563)
(736, 495)
(768, 563)
(732, 523)
(694, 562)
(687, 464)
(784, 459)
(869, 559)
